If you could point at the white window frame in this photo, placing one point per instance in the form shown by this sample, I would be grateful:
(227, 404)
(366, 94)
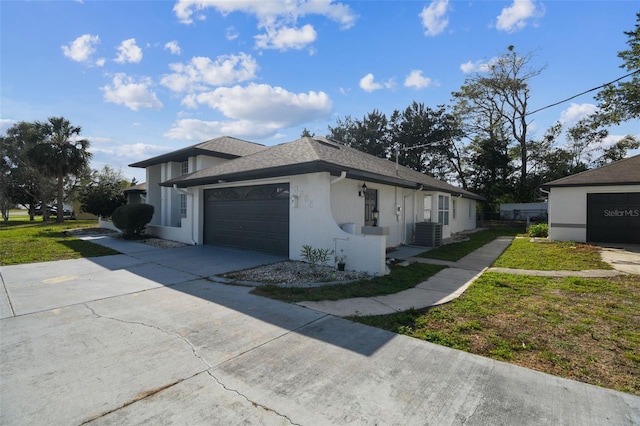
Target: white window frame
(184, 167)
(183, 205)
(443, 209)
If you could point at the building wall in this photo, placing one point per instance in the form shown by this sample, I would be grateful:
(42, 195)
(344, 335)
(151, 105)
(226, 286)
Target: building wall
(568, 210)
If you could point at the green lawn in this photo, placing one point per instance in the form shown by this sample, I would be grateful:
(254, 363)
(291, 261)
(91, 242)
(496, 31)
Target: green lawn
(549, 256)
(456, 251)
(400, 278)
(582, 329)
(22, 241)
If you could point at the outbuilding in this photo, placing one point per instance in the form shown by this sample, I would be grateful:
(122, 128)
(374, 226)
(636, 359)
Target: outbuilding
(597, 206)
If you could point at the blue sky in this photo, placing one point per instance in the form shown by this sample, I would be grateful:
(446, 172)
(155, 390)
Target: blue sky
(146, 77)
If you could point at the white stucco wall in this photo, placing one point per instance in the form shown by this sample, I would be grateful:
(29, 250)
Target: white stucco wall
(312, 222)
(568, 210)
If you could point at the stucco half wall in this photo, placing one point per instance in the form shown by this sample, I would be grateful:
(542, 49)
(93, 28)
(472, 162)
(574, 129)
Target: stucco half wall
(568, 209)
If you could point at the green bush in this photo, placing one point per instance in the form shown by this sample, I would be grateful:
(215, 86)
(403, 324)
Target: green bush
(538, 230)
(132, 219)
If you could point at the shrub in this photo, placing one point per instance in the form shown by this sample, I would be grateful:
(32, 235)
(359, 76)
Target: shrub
(316, 256)
(539, 230)
(132, 219)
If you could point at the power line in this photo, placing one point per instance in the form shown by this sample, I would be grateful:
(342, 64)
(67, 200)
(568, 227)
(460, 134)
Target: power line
(582, 93)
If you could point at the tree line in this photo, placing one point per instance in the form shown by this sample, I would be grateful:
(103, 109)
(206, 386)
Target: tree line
(46, 162)
(483, 142)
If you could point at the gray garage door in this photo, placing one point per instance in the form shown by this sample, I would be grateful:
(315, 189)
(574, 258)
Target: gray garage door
(613, 218)
(250, 217)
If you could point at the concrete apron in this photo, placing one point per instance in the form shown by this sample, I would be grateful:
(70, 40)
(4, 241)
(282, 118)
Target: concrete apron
(205, 353)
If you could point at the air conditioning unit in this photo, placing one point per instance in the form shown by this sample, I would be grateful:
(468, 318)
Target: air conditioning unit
(428, 234)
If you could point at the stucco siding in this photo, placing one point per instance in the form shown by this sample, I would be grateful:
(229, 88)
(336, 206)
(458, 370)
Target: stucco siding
(568, 209)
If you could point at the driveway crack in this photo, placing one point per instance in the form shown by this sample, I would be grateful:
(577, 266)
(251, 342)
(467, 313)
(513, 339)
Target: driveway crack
(155, 327)
(255, 404)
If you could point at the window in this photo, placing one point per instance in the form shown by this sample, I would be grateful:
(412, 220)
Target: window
(443, 209)
(427, 208)
(184, 167)
(453, 208)
(183, 205)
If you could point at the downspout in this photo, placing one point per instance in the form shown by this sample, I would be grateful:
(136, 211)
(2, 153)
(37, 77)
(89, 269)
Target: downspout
(342, 176)
(193, 213)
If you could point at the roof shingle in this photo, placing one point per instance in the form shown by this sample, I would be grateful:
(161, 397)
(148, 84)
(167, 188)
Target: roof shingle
(308, 155)
(224, 147)
(623, 172)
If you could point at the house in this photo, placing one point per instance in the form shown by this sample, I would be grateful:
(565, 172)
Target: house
(136, 194)
(312, 191)
(600, 205)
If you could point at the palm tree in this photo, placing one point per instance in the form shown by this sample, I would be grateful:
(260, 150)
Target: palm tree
(60, 153)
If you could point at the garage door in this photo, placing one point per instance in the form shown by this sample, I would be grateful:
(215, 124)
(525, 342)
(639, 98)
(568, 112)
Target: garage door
(250, 217)
(613, 218)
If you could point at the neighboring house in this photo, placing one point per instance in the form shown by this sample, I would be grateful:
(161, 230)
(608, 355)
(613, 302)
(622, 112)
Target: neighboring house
(312, 191)
(136, 194)
(600, 205)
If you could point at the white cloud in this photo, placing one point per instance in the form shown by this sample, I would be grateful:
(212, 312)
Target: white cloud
(201, 72)
(368, 83)
(434, 19)
(417, 80)
(285, 38)
(124, 90)
(82, 49)
(5, 123)
(514, 17)
(128, 51)
(173, 47)
(576, 112)
(266, 106)
(268, 12)
(198, 130)
(476, 66)
(231, 33)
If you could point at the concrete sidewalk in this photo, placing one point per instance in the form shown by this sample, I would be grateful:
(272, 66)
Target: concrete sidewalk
(442, 287)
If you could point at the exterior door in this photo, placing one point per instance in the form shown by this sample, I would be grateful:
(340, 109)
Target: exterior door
(250, 217)
(370, 203)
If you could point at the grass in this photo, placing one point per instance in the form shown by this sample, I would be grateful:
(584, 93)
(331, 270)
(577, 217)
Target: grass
(22, 241)
(549, 256)
(400, 278)
(582, 329)
(456, 251)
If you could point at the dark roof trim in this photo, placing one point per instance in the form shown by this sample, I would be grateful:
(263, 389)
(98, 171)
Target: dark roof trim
(304, 168)
(547, 186)
(180, 156)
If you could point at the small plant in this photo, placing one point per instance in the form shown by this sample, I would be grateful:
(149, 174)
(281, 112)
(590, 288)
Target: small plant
(132, 219)
(341, 258)
(538, 230)
(315, 256)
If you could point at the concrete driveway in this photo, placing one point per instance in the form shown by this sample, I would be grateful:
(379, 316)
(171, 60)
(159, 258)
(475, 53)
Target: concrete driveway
(145, 338)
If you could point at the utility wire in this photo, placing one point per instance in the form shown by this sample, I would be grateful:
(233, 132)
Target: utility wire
(582, 93)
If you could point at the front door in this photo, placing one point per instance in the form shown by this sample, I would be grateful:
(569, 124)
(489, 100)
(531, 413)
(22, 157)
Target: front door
(370, 203)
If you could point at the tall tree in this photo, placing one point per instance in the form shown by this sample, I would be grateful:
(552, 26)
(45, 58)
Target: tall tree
(21, 181)
(427, 141)
(369, 134)
(497, 100)
(621, 101)
(59, 152)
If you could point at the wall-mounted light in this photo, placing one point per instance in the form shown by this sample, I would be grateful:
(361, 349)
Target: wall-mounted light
(376, 214)
(363, 190)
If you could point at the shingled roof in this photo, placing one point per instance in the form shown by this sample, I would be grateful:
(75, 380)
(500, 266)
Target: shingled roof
(316, 154)
(223, 147)
(623, 172)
